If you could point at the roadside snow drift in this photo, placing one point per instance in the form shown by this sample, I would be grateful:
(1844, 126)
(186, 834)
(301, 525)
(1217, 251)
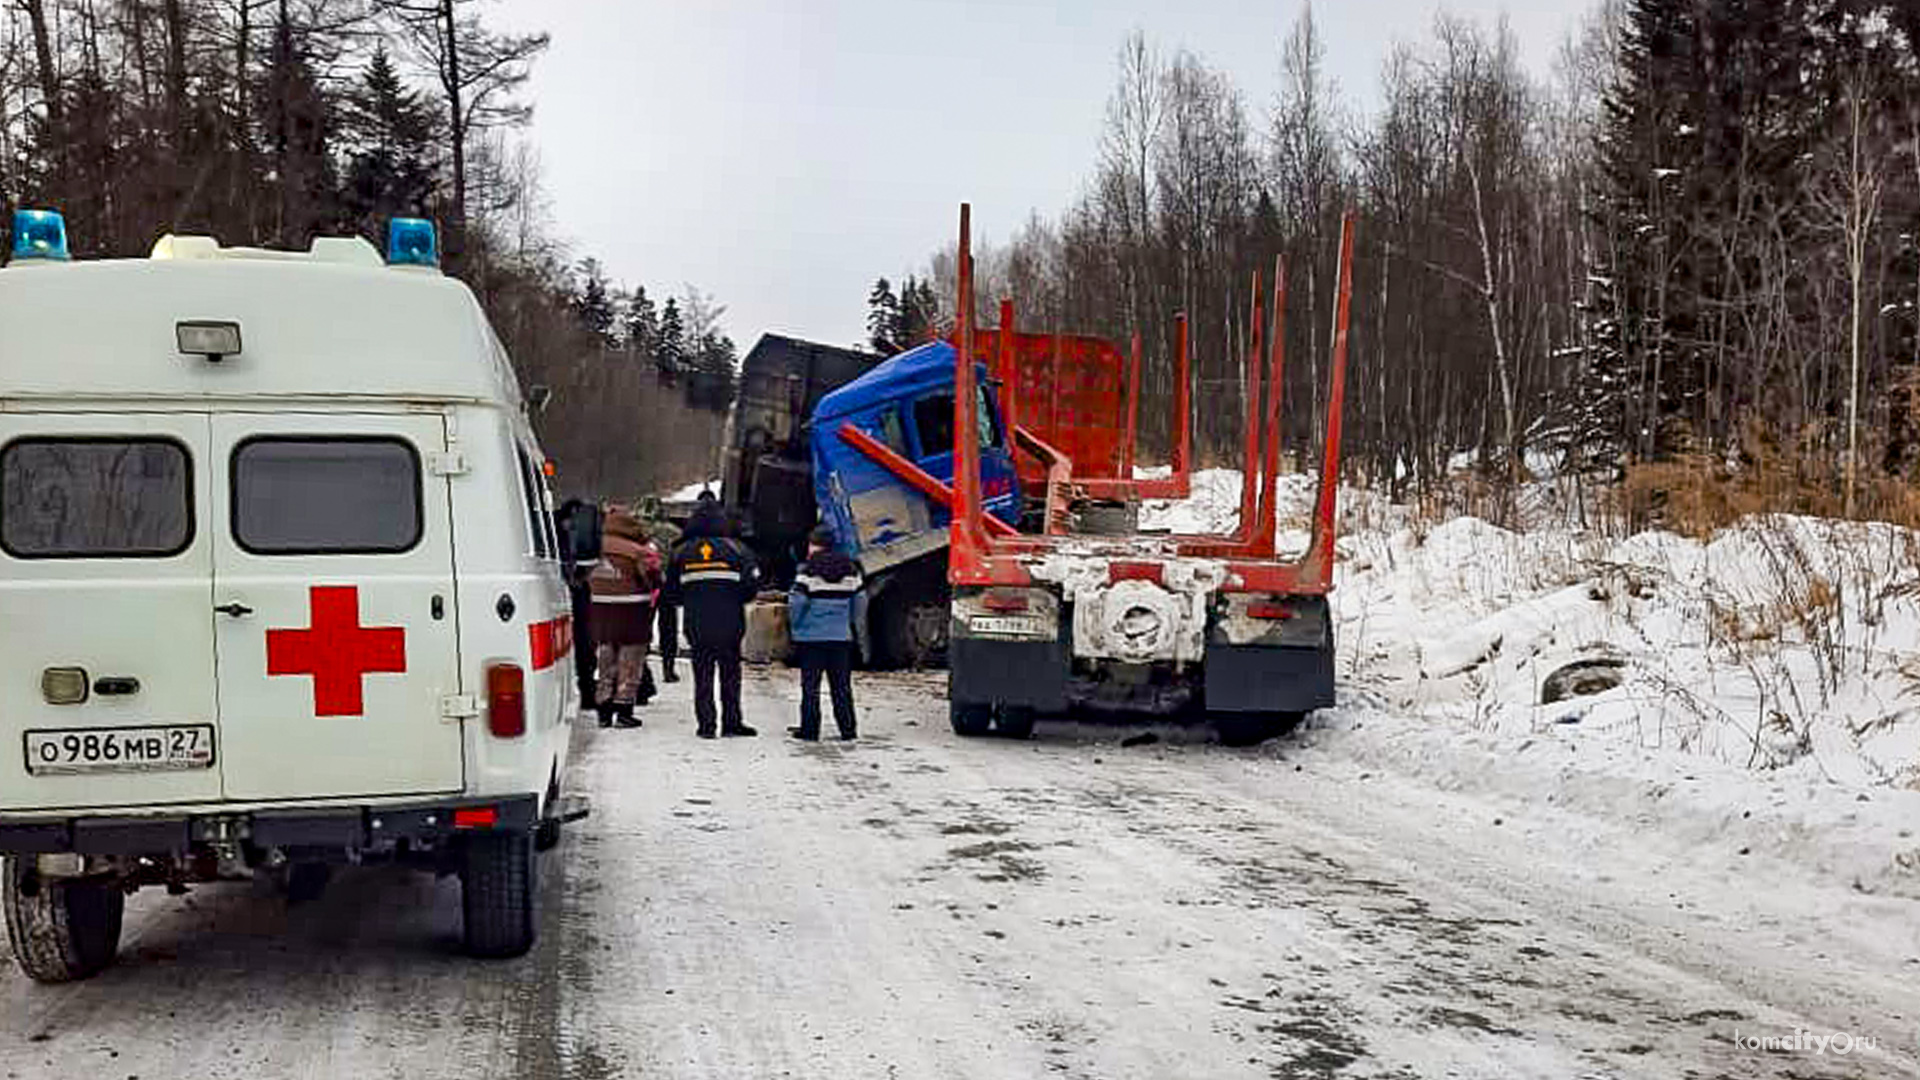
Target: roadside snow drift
(1768, 680)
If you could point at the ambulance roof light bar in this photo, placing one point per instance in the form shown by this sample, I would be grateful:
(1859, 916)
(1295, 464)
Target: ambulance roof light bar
(39, 236)
(411, 242)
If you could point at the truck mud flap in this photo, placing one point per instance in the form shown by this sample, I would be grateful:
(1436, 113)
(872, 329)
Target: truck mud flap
(1252, 678)
(1029, 674)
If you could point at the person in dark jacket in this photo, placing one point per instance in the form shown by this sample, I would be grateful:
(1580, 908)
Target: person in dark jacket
(575, 514)
(821, 608)
(712, 577)
(666, 638)
(625, 583)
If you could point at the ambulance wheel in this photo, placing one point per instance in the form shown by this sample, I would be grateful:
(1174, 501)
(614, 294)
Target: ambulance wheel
(497, 887)
(62, 930)
(1014, 722)
(970, 721)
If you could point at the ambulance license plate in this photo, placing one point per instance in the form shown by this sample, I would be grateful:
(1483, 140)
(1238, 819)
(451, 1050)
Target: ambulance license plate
(128, 749)
(1024, 626)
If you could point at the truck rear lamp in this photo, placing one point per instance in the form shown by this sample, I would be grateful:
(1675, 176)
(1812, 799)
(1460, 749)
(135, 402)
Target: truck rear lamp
(64, 685)
(506, 701)
(1269, 609)
(476, 817)
(214, 340)
(1004, 600)
(1121, 570)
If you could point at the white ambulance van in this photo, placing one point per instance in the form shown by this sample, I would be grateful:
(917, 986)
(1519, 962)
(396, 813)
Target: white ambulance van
(280, 585)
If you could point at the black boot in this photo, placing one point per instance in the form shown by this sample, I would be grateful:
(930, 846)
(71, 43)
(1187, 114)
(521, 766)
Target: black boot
(741, 732)
(606, 714)
(623, 716)
(670, 675)
(801, 734)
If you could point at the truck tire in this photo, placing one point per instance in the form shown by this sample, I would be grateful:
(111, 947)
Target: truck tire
(1014, 722)
(62, 930)
(498, 882)
(1254, 728)
(908, 615)
(913, 630)
(970, 721)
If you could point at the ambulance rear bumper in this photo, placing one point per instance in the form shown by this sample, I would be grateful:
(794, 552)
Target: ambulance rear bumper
(334, 827)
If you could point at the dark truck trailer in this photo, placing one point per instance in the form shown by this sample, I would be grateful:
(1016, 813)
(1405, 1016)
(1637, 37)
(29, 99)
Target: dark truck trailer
(767, 478)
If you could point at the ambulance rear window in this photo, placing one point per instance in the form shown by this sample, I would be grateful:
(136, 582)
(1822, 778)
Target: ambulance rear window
(94, 498)
(326, 496)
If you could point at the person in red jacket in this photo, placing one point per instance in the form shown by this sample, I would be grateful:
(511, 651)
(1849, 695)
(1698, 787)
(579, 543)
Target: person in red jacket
(625, 585)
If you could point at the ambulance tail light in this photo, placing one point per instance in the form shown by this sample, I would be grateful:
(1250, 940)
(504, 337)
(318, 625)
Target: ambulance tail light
(506, 701)
(39, 235)
(476, 817)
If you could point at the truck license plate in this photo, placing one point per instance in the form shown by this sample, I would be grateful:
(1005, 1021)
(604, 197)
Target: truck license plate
(1025, 626)
(131, 749)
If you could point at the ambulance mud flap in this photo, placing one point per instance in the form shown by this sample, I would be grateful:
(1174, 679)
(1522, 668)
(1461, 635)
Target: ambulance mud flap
(1008, 647)
(1269, 655)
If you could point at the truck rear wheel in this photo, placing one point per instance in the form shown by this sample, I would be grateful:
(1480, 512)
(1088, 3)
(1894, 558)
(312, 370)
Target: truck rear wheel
(62, 929)
(1254, 728)
(970, 721)
(1014, 722)
(498, 883)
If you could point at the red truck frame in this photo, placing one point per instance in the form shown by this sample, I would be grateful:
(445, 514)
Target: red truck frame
(1114, 619)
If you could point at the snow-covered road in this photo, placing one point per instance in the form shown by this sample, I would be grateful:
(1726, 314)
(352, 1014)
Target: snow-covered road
(918, 906)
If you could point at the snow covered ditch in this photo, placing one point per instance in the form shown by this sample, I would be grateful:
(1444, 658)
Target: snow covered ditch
(1759, 691)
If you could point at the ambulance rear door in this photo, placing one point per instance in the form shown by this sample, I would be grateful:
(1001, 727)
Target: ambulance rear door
(334, 586)
(106, 627)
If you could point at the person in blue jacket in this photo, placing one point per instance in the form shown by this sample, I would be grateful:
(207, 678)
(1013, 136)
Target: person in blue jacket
(821, 608)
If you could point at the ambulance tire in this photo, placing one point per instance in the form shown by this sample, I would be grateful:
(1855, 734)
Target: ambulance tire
(62, 930)
(498, 883)
(970, 721)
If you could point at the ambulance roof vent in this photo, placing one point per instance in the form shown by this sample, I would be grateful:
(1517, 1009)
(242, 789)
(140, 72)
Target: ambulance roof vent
(338, 250)
(185, 247)
(345, 250)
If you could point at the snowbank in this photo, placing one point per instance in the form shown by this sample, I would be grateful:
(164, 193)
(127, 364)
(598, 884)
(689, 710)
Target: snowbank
(692, 491)
(1769, 692)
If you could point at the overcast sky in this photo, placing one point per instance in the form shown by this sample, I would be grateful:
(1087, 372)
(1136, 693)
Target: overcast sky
(782, 155)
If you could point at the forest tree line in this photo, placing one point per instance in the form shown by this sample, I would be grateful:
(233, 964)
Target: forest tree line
(270, 122)
(1693, 240)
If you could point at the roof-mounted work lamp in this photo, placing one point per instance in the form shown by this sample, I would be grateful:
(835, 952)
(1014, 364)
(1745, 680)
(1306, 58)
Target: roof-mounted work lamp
(213, 340)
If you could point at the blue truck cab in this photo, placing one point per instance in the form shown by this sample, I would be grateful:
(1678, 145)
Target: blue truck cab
(897, 533)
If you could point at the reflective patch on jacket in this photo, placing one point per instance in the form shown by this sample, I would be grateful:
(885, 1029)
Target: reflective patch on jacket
(825, 599)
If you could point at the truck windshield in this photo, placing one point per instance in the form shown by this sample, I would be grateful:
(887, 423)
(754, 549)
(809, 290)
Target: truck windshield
(933, 420)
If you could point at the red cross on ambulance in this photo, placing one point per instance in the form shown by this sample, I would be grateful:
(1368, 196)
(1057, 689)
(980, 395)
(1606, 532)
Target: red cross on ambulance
(337, 651)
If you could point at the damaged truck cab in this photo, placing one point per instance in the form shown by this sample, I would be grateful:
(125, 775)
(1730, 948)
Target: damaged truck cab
(883, 463)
